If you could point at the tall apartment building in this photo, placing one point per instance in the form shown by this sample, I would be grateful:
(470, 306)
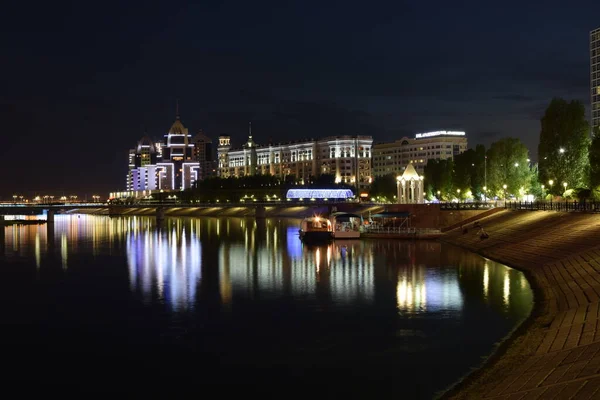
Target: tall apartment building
(172, 164)
(595, 77)
(203, 153)
(392, 158)
(348, 158)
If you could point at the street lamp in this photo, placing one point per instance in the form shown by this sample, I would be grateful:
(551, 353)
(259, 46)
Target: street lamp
(543, 191)
(516, 164)
(565, 185)
(15, 198)
(504, 186)
(561, 150)
(458, 194)
(485, 193)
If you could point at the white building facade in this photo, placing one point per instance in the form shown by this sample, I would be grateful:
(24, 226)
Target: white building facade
(166, 165)
(392, 158)
(348, 158)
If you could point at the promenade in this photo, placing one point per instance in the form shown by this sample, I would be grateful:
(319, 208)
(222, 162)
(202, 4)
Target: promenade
(556, 353)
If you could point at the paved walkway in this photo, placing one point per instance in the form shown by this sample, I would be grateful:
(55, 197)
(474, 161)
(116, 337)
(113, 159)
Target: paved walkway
(558, 355)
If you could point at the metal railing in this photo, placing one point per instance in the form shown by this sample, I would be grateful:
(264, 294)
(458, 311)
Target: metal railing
(581, 206)
(470, 206)
(392, 230)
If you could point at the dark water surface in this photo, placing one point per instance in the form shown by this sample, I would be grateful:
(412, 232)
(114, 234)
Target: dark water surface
(99, 303)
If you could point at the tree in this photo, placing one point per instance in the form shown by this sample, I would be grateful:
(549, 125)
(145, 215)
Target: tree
(594, 155)
(508, 164)
(469, 172)
(384, 186)
(438, 178)
(564, 145)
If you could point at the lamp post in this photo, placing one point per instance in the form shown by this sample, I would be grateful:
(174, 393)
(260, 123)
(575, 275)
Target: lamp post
(504, 187)
(543, 191)
(484, 172)
(550, 182)
(15, 198)
(438, 195)
(565, 185)
(458, 194)
(485, 193)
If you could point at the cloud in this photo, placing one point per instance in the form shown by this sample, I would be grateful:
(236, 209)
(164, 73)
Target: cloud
(486, 135)
(514, 97)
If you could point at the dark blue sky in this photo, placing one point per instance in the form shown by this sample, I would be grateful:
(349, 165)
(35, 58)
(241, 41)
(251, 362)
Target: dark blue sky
(80, 82)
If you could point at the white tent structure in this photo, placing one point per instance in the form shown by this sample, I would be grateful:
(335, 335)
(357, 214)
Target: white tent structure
(410, 186)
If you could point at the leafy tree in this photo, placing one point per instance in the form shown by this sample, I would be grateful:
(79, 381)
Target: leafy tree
(564, 145)
(595, 161)
(469, 172)
(438, 178)
(325, 181)
(384, 186)
(507, 164)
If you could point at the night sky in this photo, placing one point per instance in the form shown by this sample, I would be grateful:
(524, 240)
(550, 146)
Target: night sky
(80, 82)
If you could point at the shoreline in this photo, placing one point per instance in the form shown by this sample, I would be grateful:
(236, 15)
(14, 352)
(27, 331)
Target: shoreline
(508, 343)
(553, 351)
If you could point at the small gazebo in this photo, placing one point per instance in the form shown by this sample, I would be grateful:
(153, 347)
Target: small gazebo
(410, 186)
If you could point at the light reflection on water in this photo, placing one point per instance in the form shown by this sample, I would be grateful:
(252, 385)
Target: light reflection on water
(255, 282)
(251, 260)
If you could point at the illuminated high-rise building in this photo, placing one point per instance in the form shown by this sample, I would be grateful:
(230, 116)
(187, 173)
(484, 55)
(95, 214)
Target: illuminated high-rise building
(203, 155)
(595, 77)
(393, 157)
(171, 164)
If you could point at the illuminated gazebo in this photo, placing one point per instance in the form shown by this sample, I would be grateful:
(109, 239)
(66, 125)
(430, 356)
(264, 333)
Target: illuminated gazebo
(410, 186)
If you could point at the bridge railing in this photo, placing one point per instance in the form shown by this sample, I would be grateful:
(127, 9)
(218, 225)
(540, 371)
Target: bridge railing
(581, 206)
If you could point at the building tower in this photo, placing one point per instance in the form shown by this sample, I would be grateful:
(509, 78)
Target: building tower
(250, 153)
(203, 155)
(223, 156)
(178, 152)
(595, 77)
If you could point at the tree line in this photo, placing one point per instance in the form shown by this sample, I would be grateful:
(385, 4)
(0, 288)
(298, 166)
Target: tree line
(568, 166)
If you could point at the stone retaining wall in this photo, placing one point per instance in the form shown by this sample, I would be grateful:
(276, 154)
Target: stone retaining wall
(556, 353)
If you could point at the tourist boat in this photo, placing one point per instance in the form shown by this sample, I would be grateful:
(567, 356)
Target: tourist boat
(316, 230)
(346, 225)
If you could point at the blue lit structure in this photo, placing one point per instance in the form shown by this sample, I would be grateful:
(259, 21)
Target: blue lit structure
(319, 194)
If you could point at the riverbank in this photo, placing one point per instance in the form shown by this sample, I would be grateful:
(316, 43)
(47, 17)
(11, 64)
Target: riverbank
(223, 211)
(556, 352)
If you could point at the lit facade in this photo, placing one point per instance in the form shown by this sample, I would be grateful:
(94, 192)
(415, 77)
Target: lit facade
(595, 76)
(392, 158)
(171, 164)
(203, 153)
(319, 194)
(348, 158)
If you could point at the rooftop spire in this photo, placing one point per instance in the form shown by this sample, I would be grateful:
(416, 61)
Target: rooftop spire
(177, 109)
(250, 130)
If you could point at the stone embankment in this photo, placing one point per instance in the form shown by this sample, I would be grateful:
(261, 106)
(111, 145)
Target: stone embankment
(556, 352)
(300, 211)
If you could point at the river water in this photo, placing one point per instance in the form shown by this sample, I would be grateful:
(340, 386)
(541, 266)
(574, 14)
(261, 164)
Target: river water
(121, 304)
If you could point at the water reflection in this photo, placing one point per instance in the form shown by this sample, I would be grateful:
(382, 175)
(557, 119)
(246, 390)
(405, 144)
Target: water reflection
(248, 259)
(236, 292)
(165, 265)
